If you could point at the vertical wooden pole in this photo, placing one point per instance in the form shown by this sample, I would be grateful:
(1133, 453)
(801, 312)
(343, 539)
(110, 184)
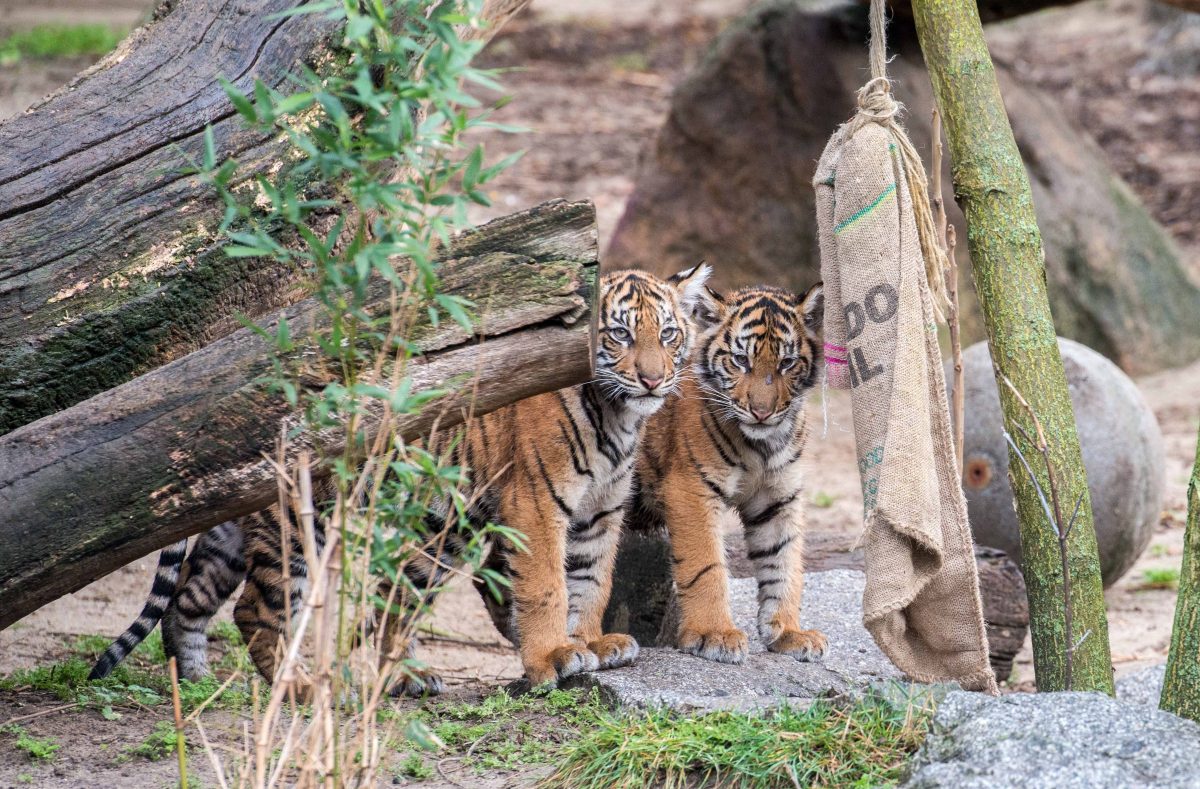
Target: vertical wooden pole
(991, 185)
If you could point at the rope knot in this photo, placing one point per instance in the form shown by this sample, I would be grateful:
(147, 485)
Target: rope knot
(875, 100)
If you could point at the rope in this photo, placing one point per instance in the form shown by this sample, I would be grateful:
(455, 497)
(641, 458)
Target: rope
(876, 105)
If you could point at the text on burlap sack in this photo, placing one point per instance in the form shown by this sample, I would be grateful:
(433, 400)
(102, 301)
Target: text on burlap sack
(879, 305)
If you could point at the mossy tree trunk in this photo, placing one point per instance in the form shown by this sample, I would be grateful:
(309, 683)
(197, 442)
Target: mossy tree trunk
(1181, 688)
(1005, 245)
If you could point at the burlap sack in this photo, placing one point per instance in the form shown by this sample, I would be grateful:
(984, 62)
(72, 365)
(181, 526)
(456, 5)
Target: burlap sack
(921, 602)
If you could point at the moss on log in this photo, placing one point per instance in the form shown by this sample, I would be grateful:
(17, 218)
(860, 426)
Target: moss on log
(108, 265)
(991, 185)
(180, 449)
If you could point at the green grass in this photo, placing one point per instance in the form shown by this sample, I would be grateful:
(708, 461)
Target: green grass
(823, 500)
(159, 744)
(866, 744)
(862, 744)
(40, 750)
(59, 41)
(1161, 578)
(141, 679)
(501, 732)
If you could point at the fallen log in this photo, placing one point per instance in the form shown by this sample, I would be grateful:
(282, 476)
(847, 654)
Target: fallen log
(109, 261)
(180, 449)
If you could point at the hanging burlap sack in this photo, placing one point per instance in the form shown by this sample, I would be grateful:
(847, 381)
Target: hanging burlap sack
(921, 602)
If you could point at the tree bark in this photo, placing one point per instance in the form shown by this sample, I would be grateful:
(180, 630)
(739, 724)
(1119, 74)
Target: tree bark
(1181, 687)
(109, 261)
(180, 449)
(1006, 252)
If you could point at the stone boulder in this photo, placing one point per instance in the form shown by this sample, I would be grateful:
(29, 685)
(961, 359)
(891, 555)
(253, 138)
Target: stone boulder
(1122, 452)
(669, 678)
(729, 179)
(1144, 686)
(1054, 741)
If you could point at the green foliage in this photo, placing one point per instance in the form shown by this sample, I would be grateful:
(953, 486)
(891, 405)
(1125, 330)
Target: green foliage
(159, 744)
(824, 745)
(59, 41)
(226, 631)
(41, 750)
(503, 732)
(823, 500)
(375, 182)
(1160, 578)
(414, 766)
(140, 680)
(859, 744)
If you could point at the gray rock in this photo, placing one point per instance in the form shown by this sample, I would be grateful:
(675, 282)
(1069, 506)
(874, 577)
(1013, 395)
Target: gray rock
(1143, 687)
(832, 604)
(1122, 452)
(1056, 741)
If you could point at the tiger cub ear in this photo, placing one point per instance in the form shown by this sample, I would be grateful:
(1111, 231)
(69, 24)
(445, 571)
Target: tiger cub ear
(812, 307)
(699, 300)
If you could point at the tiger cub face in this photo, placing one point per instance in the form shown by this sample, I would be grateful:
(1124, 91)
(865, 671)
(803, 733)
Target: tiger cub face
(645, 334)
(760, 354)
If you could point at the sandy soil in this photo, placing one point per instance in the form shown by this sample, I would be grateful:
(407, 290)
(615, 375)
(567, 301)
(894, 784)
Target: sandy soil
(593, 90)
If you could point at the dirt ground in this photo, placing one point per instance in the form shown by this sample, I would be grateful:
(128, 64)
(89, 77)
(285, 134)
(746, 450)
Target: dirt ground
(593, 85)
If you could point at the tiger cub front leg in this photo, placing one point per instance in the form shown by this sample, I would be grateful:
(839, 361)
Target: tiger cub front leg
(591, 554)
(775, 544)
(539, 589)
(706, 627)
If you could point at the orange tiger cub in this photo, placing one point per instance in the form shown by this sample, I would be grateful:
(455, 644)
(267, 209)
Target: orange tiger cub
(726, 455)
(563, 465)
(557, 467)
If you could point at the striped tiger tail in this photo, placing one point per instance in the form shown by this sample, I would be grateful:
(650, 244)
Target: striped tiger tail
(166, 577)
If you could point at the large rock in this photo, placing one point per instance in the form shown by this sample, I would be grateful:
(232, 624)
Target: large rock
(832, 603)
(643, 592)
(729, 179)
(1055, 741)
(1122, 452)
(1143, 687)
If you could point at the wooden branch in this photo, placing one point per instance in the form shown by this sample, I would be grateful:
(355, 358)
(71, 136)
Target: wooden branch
(180, 449)
(109, 262)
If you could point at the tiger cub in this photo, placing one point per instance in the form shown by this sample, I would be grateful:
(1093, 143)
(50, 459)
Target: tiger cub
(726, 455)
(556, 467)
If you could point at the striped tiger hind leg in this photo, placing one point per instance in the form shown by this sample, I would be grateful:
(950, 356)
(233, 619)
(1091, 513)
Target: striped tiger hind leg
(260, 613)
(591, 554)
(212, 573)
(775, 544)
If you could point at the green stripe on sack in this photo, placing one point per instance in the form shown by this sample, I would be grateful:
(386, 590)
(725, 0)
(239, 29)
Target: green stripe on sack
(845, 223)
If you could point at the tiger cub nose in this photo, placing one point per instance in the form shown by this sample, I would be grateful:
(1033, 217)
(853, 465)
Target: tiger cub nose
(650, 381)
(762, 415)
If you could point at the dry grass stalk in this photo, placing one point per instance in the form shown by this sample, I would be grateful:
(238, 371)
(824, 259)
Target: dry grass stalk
(180, 747)
(949, 240)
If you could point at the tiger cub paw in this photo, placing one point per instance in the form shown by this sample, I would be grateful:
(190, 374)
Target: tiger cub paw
(416, 683)
(807, 645)
(614, 650)
(562, 662)
(727, 645)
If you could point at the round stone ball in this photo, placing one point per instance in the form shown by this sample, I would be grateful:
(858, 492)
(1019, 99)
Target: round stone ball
(1122, 452)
